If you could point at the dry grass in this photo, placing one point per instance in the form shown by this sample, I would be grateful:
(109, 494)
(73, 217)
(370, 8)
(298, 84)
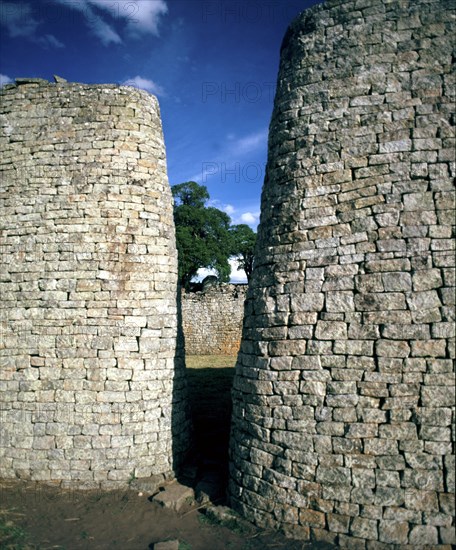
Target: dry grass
(210, 361)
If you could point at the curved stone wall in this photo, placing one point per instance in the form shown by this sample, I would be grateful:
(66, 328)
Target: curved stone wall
(343, 420)
(91, 383)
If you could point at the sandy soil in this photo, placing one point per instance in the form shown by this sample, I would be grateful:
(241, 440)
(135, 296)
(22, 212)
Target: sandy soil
(88, 520)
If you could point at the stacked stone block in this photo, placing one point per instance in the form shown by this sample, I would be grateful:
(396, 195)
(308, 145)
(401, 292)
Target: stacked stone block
(212, 320)
(92, 387)
(343, 400)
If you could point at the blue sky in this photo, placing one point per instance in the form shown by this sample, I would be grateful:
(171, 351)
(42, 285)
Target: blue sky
(212, 64)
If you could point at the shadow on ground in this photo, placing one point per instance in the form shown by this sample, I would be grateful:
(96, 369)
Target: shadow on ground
(35, 516)
(210, 405)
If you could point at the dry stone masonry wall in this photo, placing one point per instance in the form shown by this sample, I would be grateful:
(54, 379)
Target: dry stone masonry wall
(343, 421)
(91, 380)
(212, 320)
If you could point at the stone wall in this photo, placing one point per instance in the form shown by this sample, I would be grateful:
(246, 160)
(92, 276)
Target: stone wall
(212, 320)
(91, 383)
(343, 420)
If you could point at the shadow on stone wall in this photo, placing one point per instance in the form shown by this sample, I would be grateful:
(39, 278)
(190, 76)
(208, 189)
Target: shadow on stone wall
(180, 416)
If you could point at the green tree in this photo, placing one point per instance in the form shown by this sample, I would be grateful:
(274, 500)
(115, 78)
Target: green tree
(190, 193)
(243, 247)
(202, 233)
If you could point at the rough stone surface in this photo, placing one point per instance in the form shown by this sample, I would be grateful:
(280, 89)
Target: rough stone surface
(210, 488)
(147, 485)
(227, 517)
(174, 496)
(167, 545)
(92, 386)
(212, 320)
(343, 400)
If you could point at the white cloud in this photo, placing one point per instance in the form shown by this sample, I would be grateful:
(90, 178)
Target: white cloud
(147, 17)
(18, 19)
(249, 143)
(227, 208)
(144, 84)
(202, 273)
(104, 31)
(21, 23)
(237, 275)
(97, 24)
(51, 40)
(249, 218)
(140, 17)
(4, 79)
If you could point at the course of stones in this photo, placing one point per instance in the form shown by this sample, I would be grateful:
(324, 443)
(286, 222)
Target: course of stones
(92, 381)
(212, 320)
(343, 402)
(343, 399)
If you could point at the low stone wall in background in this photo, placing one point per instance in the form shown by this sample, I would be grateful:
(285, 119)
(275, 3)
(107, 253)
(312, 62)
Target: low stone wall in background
(212, 320)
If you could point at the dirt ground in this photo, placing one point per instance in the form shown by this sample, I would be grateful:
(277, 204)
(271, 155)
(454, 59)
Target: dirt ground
(36, 516)
(74, 520)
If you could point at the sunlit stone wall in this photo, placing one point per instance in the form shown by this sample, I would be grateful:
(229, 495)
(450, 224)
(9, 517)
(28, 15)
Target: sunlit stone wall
(91, 380)
(212, 320)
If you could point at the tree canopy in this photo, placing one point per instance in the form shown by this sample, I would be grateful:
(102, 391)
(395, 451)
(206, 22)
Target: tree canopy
(202, 233)
(243, 247)
(190, 193)
(205, 237)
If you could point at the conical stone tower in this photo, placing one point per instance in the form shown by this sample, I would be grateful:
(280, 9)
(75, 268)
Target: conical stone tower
(92, 387)
(343, 399)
